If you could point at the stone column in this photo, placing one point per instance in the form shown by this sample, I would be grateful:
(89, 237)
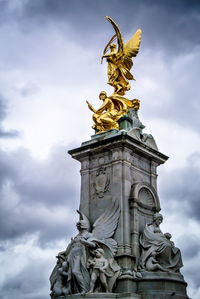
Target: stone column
(110, 166)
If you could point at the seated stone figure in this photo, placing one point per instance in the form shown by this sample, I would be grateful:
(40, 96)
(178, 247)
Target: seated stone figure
(154, 241)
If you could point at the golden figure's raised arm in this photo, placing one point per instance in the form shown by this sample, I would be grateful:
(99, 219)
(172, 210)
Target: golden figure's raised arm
(107, 47)
(91, 107)
(118, 34)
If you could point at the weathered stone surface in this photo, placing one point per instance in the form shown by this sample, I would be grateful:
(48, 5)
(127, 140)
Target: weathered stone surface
(162, 285)
(102, 295)
(118, 167)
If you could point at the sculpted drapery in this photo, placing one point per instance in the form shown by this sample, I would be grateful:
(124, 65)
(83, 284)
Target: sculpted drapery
(72, 275)
(154, 242)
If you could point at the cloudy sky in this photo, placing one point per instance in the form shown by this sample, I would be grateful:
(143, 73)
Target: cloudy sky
(49, 65)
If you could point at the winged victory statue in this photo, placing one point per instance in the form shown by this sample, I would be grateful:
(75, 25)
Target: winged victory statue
(88, 264)
(120, 62)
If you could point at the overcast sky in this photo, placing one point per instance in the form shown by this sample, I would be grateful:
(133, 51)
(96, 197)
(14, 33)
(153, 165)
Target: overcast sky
(50, 54)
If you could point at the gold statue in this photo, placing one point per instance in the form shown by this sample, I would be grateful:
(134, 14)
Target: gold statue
(119, 65)
(120, 61)
(113, 108)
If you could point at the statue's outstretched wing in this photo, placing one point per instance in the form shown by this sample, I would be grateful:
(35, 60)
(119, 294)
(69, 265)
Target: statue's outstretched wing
(104, 227)
(119, 36)
(131, 49)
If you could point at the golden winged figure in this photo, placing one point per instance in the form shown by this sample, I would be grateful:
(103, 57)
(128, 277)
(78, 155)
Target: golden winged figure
(119, 66)
(120, 60)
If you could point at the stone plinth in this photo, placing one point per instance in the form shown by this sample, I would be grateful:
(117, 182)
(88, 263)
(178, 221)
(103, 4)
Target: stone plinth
(162, 285)
(115, 167)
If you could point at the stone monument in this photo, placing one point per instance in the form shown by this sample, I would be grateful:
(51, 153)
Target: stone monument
(120, 250)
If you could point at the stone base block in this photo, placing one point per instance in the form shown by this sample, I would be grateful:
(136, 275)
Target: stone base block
(162, 285)
(126, 283)
(102, 296)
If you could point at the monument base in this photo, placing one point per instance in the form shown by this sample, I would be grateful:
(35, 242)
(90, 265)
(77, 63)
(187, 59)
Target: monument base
(102, 296)
(158, 285)
(162, 285)
(154, 285)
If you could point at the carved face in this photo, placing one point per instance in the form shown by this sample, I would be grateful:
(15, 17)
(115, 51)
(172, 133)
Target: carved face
(81, 225)
(158, 221)
(113, 47)
(99, 252)
(102, 96)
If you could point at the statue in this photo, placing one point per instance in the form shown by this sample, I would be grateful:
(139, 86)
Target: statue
(158, 252)
(119, 65)
(60, 279)
(120, 60)
(71, 274)
(99, 265)
(102, 268)
(112, 109)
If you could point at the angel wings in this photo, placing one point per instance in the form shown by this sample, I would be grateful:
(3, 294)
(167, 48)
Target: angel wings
(104, 227)
(120, 60)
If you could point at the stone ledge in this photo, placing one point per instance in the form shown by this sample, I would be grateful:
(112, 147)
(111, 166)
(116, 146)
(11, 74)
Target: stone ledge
(172, 276)
(102, 296)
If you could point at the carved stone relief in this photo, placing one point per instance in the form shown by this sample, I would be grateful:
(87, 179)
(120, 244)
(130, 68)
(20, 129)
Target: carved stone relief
(146, 197)
(101, 182)
(88, 264)
(158, 252)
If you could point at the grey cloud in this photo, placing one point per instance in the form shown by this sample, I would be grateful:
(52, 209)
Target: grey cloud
(189, 248)
(177, 89)
(3, 113)
(181, 189)
(30, 283)
(9, 134)
(172, 26)
(37, 196)
(189, 245)
(29, 89)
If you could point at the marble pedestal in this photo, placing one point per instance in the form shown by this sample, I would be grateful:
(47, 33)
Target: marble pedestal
(115, 167)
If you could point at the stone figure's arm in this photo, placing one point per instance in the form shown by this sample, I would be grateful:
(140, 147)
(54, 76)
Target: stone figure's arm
(88, 243)
(105, 265)
(64, 273)
(90, 263)
(154, 261)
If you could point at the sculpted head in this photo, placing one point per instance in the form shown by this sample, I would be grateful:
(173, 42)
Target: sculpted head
(113, 47)
(168, 236)
(157, 218)
(83, 223)
(99, 252)
(102, 95)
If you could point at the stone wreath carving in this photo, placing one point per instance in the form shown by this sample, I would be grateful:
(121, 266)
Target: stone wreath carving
(101, 182)
(88, 264)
